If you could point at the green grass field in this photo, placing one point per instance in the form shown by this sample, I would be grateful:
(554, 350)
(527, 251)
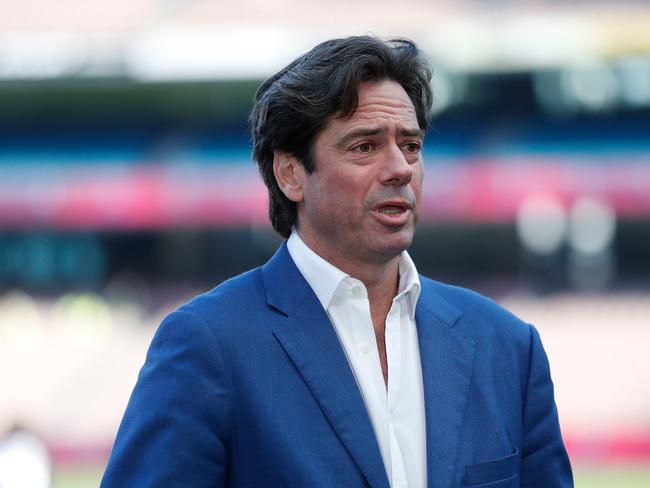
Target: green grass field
(585, 477)
(77, 477)
(613, 477)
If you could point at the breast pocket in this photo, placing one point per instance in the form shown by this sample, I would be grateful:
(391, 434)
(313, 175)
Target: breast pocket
(501, 473)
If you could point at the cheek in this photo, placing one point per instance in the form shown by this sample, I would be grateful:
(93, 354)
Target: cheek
(344, 187)
(338, 193)
(325, 199)
(416, 182)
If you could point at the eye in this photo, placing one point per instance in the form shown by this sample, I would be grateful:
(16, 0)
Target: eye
(412, 147)
(366, 147)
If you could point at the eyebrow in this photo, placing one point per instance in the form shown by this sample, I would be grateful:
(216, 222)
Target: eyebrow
(373, 131)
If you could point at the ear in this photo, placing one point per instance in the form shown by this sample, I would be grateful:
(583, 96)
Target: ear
(290, 175)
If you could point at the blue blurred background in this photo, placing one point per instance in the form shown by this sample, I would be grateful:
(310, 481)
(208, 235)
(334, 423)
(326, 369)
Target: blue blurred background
(127, 186)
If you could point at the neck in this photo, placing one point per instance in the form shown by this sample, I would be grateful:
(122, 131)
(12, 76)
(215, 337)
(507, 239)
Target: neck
(380, 276)
(381, 281)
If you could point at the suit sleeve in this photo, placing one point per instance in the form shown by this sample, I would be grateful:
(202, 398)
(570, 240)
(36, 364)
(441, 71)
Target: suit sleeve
(177, 425)
(544, 463)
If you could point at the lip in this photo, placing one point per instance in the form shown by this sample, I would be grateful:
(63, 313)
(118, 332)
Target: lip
(398, 219)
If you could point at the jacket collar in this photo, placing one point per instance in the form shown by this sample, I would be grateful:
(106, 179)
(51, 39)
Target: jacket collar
(284, 285)
(447, 358)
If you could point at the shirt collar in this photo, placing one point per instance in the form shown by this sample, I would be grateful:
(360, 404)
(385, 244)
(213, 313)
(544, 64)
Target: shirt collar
(324, 278)
(409, 282)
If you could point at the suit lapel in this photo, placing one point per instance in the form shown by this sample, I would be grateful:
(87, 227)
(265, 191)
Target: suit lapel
(447, 358)
(310, 341)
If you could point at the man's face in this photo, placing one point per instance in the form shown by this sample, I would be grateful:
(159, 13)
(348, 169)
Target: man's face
(361, 203)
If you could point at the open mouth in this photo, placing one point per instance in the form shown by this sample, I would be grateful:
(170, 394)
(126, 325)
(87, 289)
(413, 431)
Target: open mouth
(392, 210)
(393, 214)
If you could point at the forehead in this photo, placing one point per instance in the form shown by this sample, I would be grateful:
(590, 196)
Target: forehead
(382, 101)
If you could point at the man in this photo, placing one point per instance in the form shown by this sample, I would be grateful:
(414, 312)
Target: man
(335, 364)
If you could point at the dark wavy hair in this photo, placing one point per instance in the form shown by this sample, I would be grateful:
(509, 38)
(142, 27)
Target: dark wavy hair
(293, 105)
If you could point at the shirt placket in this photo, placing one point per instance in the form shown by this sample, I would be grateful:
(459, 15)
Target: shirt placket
(375, 392)
(393, 338)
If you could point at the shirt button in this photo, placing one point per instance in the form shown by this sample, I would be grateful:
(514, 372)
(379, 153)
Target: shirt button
(356, 291)
(364, 347)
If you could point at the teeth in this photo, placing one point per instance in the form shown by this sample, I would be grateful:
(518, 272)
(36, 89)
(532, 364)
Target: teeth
(391, 210)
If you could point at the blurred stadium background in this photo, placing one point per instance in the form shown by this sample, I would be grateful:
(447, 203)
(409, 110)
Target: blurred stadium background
(126, 186)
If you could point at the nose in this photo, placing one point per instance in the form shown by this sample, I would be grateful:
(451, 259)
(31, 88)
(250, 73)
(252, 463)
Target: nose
(397, 171)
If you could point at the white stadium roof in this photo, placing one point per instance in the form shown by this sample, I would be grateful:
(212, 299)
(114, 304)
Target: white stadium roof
(168, 40)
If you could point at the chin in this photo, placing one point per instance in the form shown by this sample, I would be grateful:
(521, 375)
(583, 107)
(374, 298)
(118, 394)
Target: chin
(394, 244)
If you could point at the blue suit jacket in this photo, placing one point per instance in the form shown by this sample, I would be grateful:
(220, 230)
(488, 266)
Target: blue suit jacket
(248, 386)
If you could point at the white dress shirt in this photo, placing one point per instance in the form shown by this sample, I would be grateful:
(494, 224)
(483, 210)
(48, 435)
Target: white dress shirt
(396, 410)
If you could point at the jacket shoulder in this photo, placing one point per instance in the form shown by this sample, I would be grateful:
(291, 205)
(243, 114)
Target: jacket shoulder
(228, 299)
(476, 315)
